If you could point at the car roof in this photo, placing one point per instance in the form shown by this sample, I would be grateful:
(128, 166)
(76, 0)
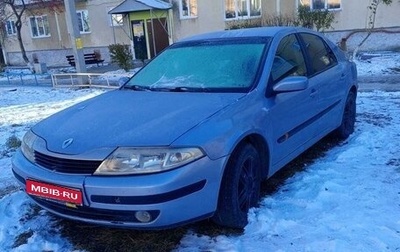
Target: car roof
(270, 31)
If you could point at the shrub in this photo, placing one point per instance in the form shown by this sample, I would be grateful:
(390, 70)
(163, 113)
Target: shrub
(280, 20)
(122, 55)
(245, 23)
(13, 143)
(318, 19)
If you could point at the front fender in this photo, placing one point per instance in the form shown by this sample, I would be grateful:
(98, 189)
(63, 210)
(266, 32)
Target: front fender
(219, 135)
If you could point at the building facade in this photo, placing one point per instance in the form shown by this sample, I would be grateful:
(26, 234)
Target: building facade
(148, 26)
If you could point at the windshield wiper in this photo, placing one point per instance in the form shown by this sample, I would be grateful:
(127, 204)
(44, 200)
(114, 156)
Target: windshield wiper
(180, 89)
(137, 88)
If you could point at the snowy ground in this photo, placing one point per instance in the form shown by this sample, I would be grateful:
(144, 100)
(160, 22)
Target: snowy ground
(348, 200)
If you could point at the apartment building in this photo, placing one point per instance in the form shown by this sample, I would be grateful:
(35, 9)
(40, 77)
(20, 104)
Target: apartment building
(148, 26)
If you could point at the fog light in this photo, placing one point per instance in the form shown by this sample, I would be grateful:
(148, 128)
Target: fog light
(143, 216)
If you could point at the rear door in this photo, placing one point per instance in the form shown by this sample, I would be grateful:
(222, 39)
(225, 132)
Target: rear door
(327, 75)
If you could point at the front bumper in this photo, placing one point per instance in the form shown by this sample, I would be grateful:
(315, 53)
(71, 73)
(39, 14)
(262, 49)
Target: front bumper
(171, 198)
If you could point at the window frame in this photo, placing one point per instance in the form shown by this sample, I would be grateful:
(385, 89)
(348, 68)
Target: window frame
(310, 3)
(81, 22)
(247, 13)
(282, 54)
(44, 25)
(10, 25)
(189, 14)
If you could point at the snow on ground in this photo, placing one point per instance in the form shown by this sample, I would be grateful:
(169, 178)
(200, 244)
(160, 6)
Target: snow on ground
(20, 108)
(347, 200)
(378, 63)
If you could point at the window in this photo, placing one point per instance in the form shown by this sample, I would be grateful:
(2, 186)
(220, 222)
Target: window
(39, 26)
(289, 60)
(235, 9)
(322, 4)
(83, 21)
(115, 19)
(188, 8)
(10, 27)
(319, 52)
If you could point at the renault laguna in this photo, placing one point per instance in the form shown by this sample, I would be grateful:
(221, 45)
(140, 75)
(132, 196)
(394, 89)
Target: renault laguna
(192, 134)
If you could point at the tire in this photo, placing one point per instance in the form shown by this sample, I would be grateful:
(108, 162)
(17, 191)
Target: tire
(240, 187)
(346, 128)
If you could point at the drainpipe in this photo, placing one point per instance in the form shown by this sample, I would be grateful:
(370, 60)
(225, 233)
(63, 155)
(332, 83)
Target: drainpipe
(278, 7)
(58, 29)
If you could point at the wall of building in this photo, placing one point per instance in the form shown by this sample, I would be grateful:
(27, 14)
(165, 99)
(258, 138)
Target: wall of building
(355, 15)
(210, 17)
(351, 21)
(53, 49)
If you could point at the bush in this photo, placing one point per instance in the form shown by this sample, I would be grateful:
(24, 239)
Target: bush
(122, 55)
(246, 23)
(280, 20)
(318, 19)
(13, 143)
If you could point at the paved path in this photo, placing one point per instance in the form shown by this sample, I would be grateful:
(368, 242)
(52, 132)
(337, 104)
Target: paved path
(382, 82)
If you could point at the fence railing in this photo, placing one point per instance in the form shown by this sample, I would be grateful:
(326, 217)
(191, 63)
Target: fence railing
(23, 76)
(88, 80)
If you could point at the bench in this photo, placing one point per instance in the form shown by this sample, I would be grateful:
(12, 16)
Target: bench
(90, 58)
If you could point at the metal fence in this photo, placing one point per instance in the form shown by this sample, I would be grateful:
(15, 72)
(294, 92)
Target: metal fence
(88, 80)
(23, 78)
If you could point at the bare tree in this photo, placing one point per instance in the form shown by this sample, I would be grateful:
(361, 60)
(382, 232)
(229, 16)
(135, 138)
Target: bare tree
(18, 9)
(373, 7)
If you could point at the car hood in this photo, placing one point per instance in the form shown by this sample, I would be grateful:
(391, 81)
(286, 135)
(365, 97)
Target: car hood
(129, 118)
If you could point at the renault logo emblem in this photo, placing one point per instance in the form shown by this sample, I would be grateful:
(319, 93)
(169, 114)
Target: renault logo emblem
(67, 143)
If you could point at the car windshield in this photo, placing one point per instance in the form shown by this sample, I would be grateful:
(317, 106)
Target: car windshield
(203, 66)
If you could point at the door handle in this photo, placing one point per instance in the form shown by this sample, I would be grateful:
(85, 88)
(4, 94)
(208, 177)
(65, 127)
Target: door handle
(313, 92)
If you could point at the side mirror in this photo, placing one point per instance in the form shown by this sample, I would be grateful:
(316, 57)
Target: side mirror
(291, 84)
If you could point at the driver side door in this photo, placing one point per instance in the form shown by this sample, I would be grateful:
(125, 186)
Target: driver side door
(293, 114)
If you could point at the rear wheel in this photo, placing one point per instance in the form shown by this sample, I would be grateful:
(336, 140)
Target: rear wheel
(348, 118)
(240, 187)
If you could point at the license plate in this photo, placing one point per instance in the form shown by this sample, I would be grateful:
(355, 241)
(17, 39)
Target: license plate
(54, 192)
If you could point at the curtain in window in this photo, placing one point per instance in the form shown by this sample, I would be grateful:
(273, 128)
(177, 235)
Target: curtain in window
(83, 21)
(34, 27)
(255, 7)
(230, 9)
(334, 4)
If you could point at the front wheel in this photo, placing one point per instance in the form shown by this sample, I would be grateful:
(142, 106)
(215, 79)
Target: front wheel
(240, 187)
(348, 118)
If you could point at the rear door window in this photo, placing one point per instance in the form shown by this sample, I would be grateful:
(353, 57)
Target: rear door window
(320, 55)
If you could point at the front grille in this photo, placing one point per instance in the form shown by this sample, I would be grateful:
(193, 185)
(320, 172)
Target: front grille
(64, 165)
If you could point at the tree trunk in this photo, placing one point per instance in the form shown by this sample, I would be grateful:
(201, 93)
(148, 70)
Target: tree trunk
(21, 45)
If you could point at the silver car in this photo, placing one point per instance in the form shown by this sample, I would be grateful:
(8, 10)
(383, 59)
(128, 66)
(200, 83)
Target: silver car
(193, 133)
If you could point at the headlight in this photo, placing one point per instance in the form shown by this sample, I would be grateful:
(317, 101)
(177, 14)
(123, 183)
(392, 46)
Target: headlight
(146, 160)
(27, 145)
